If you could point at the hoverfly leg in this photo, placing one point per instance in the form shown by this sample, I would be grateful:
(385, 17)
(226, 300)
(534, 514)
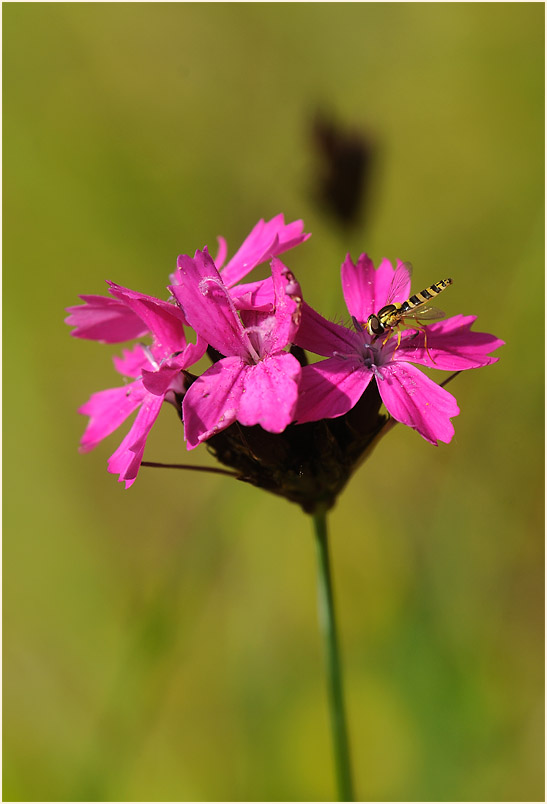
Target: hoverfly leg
(426, 349)
(397, 326)
(424, 330)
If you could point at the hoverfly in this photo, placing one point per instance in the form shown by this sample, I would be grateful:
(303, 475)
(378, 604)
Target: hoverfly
(395, 314)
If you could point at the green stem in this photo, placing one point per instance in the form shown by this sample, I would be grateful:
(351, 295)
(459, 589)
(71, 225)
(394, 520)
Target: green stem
(327, 623)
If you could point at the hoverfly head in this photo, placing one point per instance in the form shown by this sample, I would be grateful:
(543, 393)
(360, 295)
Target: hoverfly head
(374, 325)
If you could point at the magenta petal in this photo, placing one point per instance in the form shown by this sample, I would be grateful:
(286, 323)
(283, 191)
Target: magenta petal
(143, 359)
(358, 286)
(107, 410)
(330, 388)
(133, 361)
(175, 277)
(451, 346)
(126, 460)
(212, 401)
(266, 240)
(366, 290)
(221, 252)
(382, 285)
(277, 329)
(254, 295)
(415, 400)
(270, 393)
(288, 304)
(104, 319)
(158, 382)
(322, 337)
(207, 304)
(164, 320)
(191, 353)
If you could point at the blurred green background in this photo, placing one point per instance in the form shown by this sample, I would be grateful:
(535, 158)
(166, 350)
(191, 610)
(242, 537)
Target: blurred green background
(162, 643)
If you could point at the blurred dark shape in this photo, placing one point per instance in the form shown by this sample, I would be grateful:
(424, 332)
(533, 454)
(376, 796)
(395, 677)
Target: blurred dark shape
(345, 161)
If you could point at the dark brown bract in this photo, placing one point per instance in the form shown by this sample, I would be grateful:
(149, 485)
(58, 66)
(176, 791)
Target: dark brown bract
(308, 464)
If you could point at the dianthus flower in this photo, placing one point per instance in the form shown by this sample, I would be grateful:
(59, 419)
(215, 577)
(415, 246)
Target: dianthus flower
(266, 240)
(256, 380)
(156, 369)
(108, 320)
(298, 430)
(156, 372)
(332, 387)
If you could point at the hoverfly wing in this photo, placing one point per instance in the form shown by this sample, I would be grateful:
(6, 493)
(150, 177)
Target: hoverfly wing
(422, 312)
(400, 284)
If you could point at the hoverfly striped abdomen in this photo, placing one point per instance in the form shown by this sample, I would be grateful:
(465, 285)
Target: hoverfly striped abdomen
(425, 295)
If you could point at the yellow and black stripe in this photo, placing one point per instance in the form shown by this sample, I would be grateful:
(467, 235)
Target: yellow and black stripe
(424, 296)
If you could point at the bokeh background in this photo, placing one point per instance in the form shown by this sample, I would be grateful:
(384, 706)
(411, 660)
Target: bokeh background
(162, 643)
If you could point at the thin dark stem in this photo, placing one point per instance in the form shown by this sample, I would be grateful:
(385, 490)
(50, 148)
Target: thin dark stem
(449, 379)
(327, 623)
(212, 469)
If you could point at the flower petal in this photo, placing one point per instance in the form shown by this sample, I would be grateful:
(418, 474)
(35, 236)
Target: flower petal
(366, 290)
(270, 393)
(107, 410)
(288, 304)
(451, 345)
(174, 278)
(271, 332)
(158, 382)
(266, 240)
(358, 286)
(104, 319)
(384, 280)
(330, 388)
(191, 353)
(134, 361)
(323, 337)
(212, 401)
(163, 319)
(221, 252)
(126, 460)
(207, 305)
(254, 295)
(415, 400)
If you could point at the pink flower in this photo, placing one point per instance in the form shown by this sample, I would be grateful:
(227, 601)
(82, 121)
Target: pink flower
(157, 369)
(156, 373)
(108, 320)
(266, 240)
(332, 387)
(244, 403)
(256, 382)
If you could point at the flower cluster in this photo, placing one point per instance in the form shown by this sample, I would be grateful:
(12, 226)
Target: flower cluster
(295, 428)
